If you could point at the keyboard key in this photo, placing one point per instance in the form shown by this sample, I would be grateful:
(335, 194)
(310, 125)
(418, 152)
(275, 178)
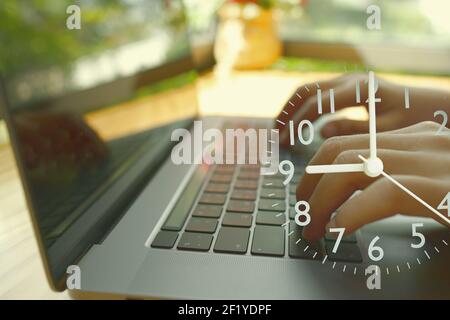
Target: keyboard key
(276, 176)
(241, 206)
(292, 200)
(351, 238)
(250, 167)
(272, 193)
(221, 178)
(225, 168)
(180, 211)
(268, 241)
(217, 187)
(273, 183)
(346, 252)
(242, 194)
(250, 175)
(207, 211)
(205, 225)
(270, 218)
(237, 220)
(292, 213)
(212, 198)
(195, 241)
(302, 249)
(299, 169)
(295, 179)
(272, 205)
(232, 240)
(292, 188)
(165, 239)
(246, 184)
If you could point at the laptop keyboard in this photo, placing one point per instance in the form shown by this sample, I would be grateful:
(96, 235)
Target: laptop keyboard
(232, 209)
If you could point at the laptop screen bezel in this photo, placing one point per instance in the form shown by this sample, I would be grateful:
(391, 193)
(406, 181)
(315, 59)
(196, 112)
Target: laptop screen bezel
(143, 78)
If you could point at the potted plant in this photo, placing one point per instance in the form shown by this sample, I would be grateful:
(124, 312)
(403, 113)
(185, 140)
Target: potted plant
(247, 35)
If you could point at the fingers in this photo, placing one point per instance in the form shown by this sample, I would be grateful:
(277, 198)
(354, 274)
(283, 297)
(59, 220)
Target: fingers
(306, 108)
(330, 191)
(301, 95)
(343, 127)
(383, 199)
(338, 150)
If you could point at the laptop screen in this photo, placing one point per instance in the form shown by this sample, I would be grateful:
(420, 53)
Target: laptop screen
(89, 90)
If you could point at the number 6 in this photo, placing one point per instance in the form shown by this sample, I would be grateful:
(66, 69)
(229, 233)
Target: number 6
(373, 248)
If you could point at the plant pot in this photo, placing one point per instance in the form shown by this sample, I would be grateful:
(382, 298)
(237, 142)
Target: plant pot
(247, 35)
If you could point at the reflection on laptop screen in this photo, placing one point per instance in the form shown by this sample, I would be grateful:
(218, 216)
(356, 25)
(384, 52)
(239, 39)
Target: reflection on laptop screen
(87, 103)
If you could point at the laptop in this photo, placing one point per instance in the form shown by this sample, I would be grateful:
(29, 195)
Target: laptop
(91, 112)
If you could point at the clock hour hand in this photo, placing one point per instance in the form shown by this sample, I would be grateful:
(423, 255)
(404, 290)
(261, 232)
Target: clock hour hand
(335, 168)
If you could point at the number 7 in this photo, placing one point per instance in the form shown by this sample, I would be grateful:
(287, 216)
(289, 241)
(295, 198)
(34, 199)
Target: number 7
(341, 232)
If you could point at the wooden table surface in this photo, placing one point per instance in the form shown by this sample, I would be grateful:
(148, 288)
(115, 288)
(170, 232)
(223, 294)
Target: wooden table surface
(259, 93)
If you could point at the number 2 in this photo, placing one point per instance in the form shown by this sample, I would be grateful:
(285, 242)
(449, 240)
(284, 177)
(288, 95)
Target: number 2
(444, 120)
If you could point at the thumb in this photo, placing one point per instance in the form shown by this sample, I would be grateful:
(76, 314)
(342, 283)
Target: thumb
(344, 127)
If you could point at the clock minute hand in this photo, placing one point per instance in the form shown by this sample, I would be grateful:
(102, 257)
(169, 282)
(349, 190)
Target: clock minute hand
(373, 166)
(412, 194)
(372, 116)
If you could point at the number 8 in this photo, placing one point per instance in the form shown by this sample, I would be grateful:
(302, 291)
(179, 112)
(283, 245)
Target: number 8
(300, 213)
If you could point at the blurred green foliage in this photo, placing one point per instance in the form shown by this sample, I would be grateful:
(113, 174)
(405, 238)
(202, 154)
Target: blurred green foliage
(34, 33)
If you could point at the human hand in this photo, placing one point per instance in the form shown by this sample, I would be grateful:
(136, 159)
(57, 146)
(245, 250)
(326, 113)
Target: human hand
(414, 156)
(391, 113)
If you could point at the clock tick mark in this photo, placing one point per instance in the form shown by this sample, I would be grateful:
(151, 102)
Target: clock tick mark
(426, 253)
